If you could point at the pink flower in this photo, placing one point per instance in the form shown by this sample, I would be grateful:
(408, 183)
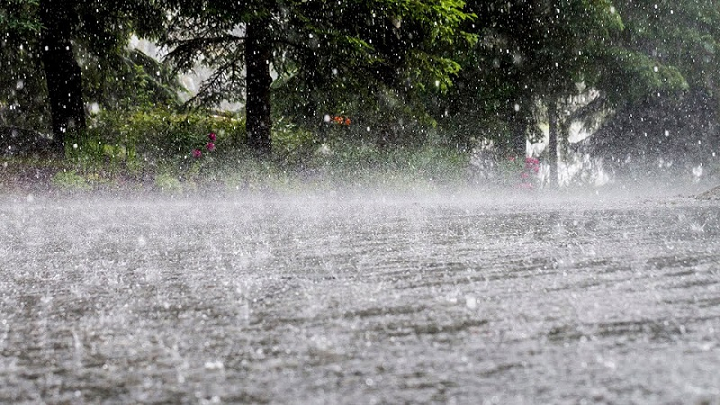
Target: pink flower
(196, 153)
(210, 146)
(524, 175)
(212, 136)
(526, 186)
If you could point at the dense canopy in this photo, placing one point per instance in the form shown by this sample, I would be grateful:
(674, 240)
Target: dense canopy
(465, 72)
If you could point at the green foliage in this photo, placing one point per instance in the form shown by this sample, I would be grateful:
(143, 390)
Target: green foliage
(291, 143)
(70, 180)
(18, 17)
(680, 34)
(329, 55)
(366, 163)
(661, 76)
(142, 144)
(161, 134)
(167, 182)
(156, 147)
(22, 85)
(628, 76)
(448, 73)
(526, 52)
(113, 75)
(136, 81)
(152, 150)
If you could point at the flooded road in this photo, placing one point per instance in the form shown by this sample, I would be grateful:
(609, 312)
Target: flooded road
(323, 299)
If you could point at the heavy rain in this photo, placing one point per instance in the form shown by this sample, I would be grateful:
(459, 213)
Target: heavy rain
(462, 202)
(361, 299)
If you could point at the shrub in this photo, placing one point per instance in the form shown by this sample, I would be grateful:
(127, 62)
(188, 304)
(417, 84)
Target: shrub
(291, 144)
(159, 135)
(70, 180)
(171, 151)
(368, 162)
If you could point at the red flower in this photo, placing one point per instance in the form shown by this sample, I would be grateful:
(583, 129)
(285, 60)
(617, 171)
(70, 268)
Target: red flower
(532, 163)
(196, 153)
(338, 120)
(347, 122)
(210, 146)
(212, 136)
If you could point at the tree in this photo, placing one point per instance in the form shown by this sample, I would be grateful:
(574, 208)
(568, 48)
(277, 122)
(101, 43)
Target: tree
(258, 53)
(20, 79)
(62, 72)
(573, 32)
(18, 17)
(665, 67)
(534, 57)
(67, 42)
(552, 112)
(527, 51)
(315, 44)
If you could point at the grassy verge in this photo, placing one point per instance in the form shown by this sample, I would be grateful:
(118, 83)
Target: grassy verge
(159, 151)
(351, 166)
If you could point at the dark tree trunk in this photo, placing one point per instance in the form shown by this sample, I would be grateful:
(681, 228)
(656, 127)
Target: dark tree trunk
(313, 115)
(519, 138)
(258, 52)
(62, 72)
(519, 126)
(554, 181)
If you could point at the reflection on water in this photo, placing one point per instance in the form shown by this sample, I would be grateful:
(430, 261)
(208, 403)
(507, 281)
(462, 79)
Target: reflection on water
(375, 300)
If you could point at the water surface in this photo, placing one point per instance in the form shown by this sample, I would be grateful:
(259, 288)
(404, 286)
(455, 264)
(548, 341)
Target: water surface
(381, 298)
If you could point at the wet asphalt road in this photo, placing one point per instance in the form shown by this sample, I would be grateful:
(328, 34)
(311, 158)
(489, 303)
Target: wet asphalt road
(367, 299)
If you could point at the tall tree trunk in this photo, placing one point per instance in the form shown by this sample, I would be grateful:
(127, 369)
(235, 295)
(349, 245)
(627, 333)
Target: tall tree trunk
(554, 180)
(519, 138)
(258, 52)
(313, 115)
(62, 72)
(519, 126)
